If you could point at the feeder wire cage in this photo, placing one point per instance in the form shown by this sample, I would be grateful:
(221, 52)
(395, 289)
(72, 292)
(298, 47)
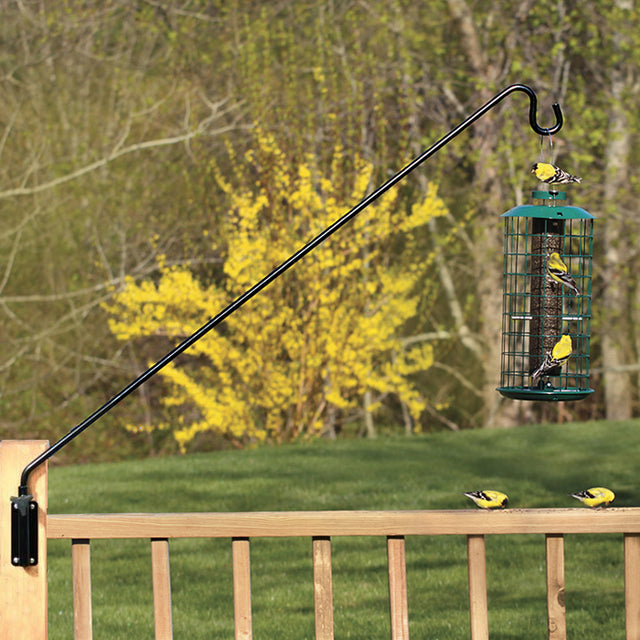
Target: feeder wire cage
(538, 310)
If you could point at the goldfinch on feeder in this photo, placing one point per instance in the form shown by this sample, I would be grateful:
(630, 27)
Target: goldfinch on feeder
(557, 270)
(555, 358)
(551, 174)
(488, 499)
(595, 497)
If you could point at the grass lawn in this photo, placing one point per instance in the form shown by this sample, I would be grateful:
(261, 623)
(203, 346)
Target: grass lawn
(536, 465)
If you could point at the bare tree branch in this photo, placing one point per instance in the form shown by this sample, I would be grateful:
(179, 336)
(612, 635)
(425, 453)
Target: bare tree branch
(201, 129)
(12, 257)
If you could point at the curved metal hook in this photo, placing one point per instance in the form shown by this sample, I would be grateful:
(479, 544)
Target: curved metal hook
(533, 108)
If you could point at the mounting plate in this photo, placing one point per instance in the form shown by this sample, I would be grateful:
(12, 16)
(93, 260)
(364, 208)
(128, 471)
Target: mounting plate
(24, 531)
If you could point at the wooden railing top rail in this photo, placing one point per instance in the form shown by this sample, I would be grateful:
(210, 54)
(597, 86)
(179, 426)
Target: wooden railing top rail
(343, 523)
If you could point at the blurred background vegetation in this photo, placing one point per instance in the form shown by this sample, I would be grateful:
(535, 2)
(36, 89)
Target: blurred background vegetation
(121, 121)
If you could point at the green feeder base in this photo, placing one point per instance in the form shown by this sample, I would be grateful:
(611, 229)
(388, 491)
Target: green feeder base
(550, 394)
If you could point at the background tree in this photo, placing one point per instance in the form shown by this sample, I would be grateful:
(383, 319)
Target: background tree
(302, 358)
(95, 134)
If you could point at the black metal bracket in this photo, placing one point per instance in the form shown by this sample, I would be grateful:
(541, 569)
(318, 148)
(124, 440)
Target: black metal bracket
(26, 532)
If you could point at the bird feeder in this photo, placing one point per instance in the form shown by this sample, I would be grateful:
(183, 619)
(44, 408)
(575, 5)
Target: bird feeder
(537, 310)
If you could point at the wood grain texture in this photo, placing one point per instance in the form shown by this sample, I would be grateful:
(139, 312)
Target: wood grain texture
(240, 552)
(478, 609)
(344, 523)
(556, 612)
(398, 600)
(23, 590)
(81, 565)
(632, 585)
(323, 588)
(161, 576)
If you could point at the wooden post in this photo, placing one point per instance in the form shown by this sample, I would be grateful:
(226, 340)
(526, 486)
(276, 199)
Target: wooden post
(241, 588)
(398, 600)
(556, 614)
(478, 608)
(632, 585)
(323, 587)
(81, 562)
(23, 590)
(161, 578)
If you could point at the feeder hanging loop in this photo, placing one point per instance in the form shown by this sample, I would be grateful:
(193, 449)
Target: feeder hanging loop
(533, 108)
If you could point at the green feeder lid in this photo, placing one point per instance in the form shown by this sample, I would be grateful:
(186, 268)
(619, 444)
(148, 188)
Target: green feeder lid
(553, 209)
(548, 395)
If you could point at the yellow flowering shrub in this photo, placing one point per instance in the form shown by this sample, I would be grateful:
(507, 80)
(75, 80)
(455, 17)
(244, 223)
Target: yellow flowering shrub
(315, 340)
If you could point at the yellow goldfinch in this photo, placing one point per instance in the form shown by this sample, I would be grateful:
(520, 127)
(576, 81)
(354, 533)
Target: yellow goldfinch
(551, 174)
(557, 270)
(489, 499)
(595, 497)
(555, 358)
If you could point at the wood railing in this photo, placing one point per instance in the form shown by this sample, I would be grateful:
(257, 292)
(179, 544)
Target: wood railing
(320, 528)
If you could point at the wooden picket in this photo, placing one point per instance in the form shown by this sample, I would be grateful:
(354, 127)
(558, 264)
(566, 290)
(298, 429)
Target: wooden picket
(478, 612)
(81, 563)
(632, 584)
(398, 602)
(323, 587)
(161, 578)
(241, 588)
(556, 615)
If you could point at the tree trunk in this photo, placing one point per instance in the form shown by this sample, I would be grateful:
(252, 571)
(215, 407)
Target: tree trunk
(368, 416)
(616, 345)
(488, 237)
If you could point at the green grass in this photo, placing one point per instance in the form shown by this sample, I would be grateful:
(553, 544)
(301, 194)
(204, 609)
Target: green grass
(537, 466)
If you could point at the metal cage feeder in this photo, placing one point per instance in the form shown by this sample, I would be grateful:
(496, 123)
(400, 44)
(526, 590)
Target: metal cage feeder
(537, 310)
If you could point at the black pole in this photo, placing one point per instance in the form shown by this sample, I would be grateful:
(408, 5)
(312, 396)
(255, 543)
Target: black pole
(298, 255)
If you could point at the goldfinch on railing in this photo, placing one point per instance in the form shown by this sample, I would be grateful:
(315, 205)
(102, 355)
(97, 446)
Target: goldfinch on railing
(595, 497)
(489, 499)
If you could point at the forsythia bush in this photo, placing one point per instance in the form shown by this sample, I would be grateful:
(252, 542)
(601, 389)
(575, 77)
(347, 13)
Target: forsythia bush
(312, 343)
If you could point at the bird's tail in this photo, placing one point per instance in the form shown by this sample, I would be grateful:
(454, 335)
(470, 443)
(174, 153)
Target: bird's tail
(540, 371)
(574, 287)
(565, 177)
(535, 377)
